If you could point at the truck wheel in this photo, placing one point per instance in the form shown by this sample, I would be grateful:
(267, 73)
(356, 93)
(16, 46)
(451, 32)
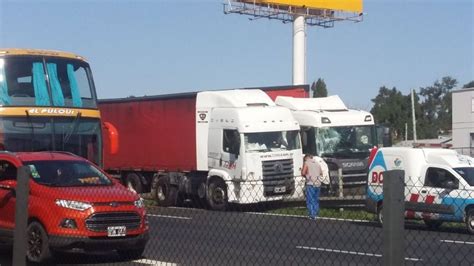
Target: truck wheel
(380, 214)
(37, 243)
(217, 195)
(470, 221)
(433, 224)
(133, 182)
(166, 194)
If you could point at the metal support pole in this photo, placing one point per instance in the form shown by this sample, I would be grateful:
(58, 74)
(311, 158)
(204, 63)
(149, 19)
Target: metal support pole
(21, 216)
(341, 186)
(393, 218)
(299, 50)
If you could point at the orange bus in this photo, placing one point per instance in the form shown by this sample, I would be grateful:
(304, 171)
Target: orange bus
(48, 102)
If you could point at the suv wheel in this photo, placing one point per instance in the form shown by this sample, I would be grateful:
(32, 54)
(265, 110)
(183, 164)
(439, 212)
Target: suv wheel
(37, 243)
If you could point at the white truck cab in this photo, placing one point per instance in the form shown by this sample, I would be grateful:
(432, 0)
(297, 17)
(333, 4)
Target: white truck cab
(341, 136)
(439, 184)
(250, 148)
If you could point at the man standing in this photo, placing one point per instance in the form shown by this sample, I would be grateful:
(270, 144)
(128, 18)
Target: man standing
(313, 173)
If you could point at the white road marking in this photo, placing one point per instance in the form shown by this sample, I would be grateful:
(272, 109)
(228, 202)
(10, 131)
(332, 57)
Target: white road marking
(350, 252)
(457, 242)
(154, 262)
(169, 216)
(319, 218)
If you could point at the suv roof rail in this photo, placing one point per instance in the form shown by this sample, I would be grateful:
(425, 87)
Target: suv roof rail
(67, 152)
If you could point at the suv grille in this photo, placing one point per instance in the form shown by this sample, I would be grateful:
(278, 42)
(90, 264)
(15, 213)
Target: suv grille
(276, 175)
(99, 222)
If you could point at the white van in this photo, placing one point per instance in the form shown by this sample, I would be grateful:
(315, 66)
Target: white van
(439, 184)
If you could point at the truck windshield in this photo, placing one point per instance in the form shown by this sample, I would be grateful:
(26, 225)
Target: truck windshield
(45, 81)
(67, 174)
(81, 136)
(272, 141)
(467, 173)
(346, 141)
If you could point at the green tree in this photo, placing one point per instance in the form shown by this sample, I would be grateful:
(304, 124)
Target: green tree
(319, 89)
(436, 107)
(393, 108)
(469, 85)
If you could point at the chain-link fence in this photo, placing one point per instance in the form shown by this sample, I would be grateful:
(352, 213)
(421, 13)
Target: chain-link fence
(88, 220)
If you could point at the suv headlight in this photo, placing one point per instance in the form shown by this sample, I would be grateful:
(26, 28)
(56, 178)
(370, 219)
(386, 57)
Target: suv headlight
(74, 205)
(139, 203)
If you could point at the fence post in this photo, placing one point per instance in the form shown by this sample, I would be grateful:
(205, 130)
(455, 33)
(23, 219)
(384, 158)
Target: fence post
(21, 216)
(393, 218)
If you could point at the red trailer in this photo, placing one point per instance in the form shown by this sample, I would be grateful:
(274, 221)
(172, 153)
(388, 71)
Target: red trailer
(163, 136)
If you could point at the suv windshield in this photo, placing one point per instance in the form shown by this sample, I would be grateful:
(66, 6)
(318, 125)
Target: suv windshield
(467, 173)
(272, 141)
(67, 174)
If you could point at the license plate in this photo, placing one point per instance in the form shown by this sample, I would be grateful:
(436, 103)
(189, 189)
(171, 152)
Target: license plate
(279, 189)
(115, 231)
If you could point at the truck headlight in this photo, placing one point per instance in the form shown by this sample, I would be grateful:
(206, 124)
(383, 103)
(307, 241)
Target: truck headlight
(139, 203)
(74, 205)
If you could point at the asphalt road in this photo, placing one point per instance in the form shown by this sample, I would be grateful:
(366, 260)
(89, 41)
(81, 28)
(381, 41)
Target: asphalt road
(187, 236)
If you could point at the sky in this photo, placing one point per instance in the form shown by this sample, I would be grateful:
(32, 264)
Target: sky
(145, 47)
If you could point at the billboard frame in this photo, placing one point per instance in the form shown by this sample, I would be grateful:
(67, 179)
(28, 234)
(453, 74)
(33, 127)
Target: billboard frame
(286, 13)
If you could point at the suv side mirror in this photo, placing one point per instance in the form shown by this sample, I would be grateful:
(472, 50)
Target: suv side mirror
(9, 185)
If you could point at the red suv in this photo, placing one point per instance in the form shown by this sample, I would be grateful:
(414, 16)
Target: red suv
(72, 205)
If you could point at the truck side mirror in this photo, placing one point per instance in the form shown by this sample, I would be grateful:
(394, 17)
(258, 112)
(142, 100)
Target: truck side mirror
(113, 137)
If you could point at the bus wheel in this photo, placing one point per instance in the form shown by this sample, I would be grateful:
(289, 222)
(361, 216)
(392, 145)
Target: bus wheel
(217, 195)
(133, 182)
(470, 221)
(166, 194)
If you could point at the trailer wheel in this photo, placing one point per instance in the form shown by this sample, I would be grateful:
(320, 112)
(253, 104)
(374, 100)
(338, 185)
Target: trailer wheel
(470, 221)
(133, 182)
(165, 193)
(217, 195)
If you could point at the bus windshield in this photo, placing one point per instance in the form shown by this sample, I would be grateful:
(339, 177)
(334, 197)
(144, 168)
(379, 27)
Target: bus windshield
(81, 136)
(46, 81)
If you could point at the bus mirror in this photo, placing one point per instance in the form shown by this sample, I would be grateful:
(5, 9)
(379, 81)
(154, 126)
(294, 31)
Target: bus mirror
(112, 136)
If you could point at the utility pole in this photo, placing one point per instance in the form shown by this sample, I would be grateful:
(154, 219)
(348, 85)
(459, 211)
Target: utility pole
(406, 131)
(413, 114)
